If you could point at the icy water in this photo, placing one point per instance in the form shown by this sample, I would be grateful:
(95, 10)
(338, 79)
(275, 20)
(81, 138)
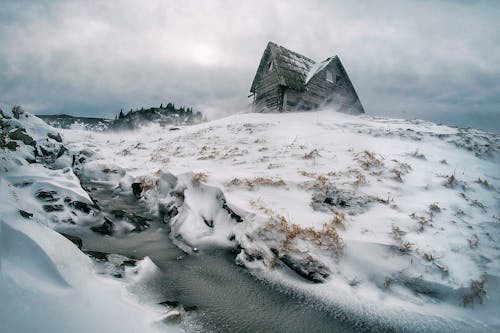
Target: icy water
(227, 298)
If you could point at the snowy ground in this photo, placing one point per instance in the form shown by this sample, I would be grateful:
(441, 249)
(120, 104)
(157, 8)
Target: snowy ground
(395, 221)
(46, 283)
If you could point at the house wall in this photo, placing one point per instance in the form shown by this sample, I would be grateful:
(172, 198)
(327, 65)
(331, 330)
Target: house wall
(268, 92)
(322, 92)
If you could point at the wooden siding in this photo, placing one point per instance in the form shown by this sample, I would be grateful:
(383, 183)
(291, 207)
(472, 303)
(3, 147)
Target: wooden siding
(272, 88)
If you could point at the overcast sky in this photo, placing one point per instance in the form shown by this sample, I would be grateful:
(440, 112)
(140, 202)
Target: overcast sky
(436, 60)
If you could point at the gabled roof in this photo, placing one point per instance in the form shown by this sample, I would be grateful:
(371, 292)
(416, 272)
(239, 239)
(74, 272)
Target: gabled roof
(291, 68)
(316, 68)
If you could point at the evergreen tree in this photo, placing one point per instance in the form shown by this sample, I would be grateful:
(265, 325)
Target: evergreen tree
(121, 115)
(161, 106)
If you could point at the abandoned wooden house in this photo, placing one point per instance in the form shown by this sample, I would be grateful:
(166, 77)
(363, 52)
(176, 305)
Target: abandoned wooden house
(288, 81)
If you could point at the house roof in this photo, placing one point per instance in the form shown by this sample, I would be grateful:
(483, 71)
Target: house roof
(316, 68)
(291, 68)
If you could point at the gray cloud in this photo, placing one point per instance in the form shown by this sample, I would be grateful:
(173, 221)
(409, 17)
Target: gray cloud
(412, 59)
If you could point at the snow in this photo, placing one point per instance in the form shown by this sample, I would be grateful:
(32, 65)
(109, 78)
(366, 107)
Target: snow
(269, 166)
(316, 68)
(46, 283)
(397, 219)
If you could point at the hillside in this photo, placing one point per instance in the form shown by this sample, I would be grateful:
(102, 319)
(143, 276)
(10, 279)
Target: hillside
(391, 221)
(168, 115)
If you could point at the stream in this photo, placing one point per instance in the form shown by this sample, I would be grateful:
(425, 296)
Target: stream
(224, 296)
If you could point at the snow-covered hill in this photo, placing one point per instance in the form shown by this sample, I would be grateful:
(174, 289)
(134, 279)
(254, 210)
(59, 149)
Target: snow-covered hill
(394, 221)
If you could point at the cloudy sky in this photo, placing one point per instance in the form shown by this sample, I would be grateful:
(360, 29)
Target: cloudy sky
(436, 60)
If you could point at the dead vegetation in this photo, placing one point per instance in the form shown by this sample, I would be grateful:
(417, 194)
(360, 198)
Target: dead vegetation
(251, 183)
(422, 221)
(418, 155)
(313, 154)
(452, 181)
(198, 178)
(484, 183)
(326, 238)
(477, 291)
(368, 160)
(399, 170)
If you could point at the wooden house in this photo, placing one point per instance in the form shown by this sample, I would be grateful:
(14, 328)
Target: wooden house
(288, 81)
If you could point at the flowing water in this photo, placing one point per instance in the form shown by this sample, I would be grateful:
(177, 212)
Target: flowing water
(227, 298)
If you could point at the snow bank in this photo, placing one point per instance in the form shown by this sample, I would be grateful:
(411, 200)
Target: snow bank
(46, 283)
(389, 215)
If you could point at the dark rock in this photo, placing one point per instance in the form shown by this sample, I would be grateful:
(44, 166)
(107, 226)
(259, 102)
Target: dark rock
(190, 308)
(56, 137)
(106, 228)
(209, 223)
(25, 214)
(137, 189)
(233, 215)
(78, 205)
(74, 239)
(140, 223)
(130, 263)
(170, 303)
(174, 129)
(169, 211)
(20, 135)
(11, 145)
(53, 208)
(24, 183)
(308, 268)
(47, 195)
(97, 255)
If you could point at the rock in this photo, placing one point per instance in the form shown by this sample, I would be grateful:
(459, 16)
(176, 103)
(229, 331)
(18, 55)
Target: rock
(20, 135)
(169, 211)
(25, 214)
(170, 303)
(140, 223)
(106, 228)
(97, 255)
(137, 189)
(53, 208)
(188, 308)
(11, 145)
(78, 205)
(309, 268)
(231, 212)
(74, 239)
(173, 316)
(47, 195)
(56, 137)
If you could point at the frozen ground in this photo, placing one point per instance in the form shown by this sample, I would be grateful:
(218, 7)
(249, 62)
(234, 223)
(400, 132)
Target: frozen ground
(46, 283)
(394, 221)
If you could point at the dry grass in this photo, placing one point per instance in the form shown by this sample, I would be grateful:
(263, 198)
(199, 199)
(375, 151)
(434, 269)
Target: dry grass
(422, 221)
(477, 290)
(326, 238)
(418, 155)
(400, 169)
(313, 154)
(198, 178)
(251, 183)
(484, 183)
(368, 160)
(397, 233)
(148, 184)
(338, 221)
